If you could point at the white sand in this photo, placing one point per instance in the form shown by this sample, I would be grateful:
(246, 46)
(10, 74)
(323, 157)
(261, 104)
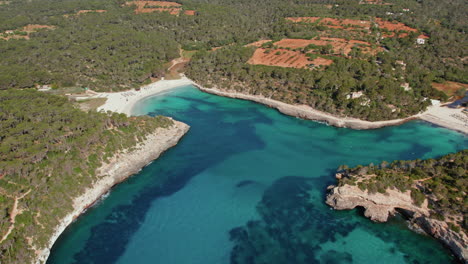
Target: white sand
(452, 118)
(123, 102)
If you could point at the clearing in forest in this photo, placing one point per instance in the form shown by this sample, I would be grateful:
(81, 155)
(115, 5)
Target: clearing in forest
(339, 46)
(337, 23)
(391, 29)
(450, 88)
(24, 32)
(86, 12)
(158, 6)
(373, 2)
(285, 58)
(305, 53)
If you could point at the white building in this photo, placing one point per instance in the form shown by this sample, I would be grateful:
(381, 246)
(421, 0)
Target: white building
(354, 95)
(421, 40)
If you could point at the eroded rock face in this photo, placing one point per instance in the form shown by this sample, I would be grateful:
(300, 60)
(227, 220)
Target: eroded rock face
(378, 207)
(457, 242)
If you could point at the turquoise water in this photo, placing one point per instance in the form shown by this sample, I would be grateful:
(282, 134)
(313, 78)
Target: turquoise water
(247, 185)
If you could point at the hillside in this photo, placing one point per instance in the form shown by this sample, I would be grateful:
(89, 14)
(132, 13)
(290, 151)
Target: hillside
(49, 154)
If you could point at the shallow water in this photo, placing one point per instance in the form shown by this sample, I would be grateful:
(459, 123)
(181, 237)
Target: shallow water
(247, 185)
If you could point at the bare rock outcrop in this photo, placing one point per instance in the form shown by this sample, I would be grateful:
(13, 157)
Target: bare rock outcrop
(378, 207)
(456, 242)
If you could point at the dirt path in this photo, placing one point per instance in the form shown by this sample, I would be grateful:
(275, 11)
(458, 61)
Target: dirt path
(13, 214)
(176, 66)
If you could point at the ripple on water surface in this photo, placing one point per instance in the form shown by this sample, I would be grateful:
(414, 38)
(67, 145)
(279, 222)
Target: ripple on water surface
(247, 185)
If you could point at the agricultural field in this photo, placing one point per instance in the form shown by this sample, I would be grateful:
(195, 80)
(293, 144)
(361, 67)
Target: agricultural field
(339, 46)
(158, 6)
(389, 29)
(333, 22)
(285, 58)
(305, 53)
(451, 88)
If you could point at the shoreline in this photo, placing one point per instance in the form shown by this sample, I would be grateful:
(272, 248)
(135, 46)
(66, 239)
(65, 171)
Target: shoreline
(380, 207)
(121, 166)
(438, 115)
(124, 102)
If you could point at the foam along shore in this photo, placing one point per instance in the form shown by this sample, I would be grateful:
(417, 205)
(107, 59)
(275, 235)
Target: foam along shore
(443, 116)
(123, 102)
(120, 167)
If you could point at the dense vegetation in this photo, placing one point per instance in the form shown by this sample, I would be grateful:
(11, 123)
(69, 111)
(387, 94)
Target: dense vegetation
(119, 49)
(379, 77)
(323, 90)
(49, 152)
(443, 182)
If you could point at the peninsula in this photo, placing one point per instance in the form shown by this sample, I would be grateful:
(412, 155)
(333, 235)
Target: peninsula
(57, 160)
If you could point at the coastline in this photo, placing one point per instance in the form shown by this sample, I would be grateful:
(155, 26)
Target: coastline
(121, 167)
(438, 115)
(123, 102)
(379, 207)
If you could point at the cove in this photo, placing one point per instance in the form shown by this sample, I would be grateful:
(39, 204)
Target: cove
(247, 185)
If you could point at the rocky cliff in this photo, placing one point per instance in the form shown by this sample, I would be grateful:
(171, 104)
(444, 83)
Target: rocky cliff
(379, 206)
(120, 167)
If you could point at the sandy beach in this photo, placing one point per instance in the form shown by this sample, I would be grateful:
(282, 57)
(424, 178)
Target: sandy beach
(123, 102)
(450, 118)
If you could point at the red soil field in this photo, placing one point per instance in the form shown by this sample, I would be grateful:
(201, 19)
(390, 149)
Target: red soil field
(90, 11)
(190, 12)
(303, 19)
(155, 6)
(393, 26)
(353, 24)
(85, 12)
(449, 88)
(284, 58)
(321, 61)
(33, 28)
(340, 46)
(333, 22)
